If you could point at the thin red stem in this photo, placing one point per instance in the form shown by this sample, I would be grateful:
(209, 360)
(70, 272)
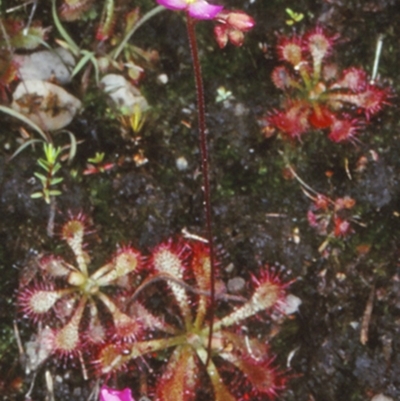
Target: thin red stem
(204, 166)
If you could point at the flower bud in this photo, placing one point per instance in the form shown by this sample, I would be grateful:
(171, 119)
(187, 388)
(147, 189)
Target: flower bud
(240, 21)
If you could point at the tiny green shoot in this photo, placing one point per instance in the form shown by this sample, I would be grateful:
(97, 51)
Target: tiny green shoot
(294, 17)
(48, 180)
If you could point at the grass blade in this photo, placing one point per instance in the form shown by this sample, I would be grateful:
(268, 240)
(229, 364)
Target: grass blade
(26, 120)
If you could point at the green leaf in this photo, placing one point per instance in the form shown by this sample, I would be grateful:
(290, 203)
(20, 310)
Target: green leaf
(40, 176)
(56, 180)
(51, 152)
(72, 45)
(24, 146)
(54, 192)
(99, 157)
(73, 144)
(44, 164)
(37, 195)
(82, 62)
(24, 119)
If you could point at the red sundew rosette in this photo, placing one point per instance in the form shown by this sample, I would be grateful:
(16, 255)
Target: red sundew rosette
(72, 10)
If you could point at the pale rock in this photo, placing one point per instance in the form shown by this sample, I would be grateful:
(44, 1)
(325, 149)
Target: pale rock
(123, 94)
(46, 65)
(47, 105)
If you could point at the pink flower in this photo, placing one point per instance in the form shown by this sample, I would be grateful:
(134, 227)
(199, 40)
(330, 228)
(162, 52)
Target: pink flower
(232, 25)
(110, 394)
(197, 9)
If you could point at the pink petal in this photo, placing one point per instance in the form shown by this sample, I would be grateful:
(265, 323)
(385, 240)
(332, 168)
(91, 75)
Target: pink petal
(173, 4)
(110, 394)
(203, 10)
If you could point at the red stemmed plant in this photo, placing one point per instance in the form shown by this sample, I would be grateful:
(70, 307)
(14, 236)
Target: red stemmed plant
(318, 95)
(185, 268)
(330, 218)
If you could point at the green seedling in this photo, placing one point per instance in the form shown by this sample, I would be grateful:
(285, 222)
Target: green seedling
(294, 17)
(49, 180)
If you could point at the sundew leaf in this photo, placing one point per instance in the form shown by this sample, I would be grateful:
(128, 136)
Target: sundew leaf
(82, 62)
(29, 39)
(180, 378)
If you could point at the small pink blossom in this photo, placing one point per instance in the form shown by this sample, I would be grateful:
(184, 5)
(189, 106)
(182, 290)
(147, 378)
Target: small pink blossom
(110, 394)
(197, 9)
(232, 25)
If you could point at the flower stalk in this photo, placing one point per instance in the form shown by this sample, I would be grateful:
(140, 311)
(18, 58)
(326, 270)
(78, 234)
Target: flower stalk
(190, 23)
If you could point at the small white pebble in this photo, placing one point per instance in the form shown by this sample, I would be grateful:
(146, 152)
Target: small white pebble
(162, 79)
(181, 163)
(381, 397)
(354, 325)
(236, 285)
(291, 304)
